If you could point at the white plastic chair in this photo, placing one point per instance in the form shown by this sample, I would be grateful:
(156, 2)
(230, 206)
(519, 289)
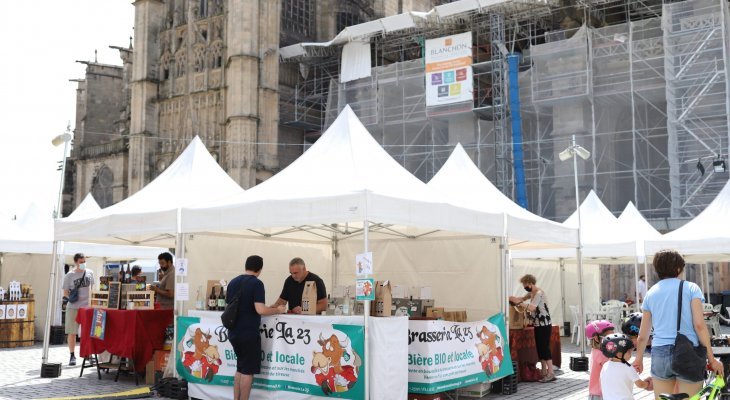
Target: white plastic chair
(575, 336)
(712, 321)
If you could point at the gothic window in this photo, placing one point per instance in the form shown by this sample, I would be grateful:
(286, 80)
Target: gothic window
(297, 21)
(203, 8)
(199, 59)
(216, 55)
(180, 63)
(165, 66)
(102, 187)
(345, 19)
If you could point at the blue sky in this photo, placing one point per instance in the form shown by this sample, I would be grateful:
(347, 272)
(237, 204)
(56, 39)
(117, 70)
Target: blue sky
(41, 41)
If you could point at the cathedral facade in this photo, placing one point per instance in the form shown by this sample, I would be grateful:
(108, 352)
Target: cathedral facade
(200, 67)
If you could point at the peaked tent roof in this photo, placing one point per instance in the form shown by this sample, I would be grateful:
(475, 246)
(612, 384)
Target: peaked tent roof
(463, 184)
(705, 238)
(150, 216)
(633, 223)
(33, 233)
(345, 177)
(88, 206)
(602, 236)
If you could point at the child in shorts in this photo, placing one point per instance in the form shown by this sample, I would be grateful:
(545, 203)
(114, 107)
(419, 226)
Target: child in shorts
(618, 377)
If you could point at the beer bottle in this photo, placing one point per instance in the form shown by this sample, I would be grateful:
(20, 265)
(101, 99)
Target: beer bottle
(221, 300)
(198, 300)
(212, 301)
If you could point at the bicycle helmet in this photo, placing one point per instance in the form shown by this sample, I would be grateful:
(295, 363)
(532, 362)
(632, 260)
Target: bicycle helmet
(631, 324)
(616, 343)
(598, 328)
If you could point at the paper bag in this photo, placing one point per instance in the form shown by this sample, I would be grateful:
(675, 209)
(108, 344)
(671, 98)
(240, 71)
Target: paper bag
(383, 300)
(517, 318)
(309, 298)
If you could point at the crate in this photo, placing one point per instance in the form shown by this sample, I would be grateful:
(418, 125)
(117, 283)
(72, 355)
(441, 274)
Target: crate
(478, 390)
(50, 370)
(58, 335)
(506, 385)
(141, 299)
(99, 299)
(173, 388)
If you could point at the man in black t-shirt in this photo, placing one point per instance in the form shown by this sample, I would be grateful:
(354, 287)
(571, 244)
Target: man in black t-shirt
(294, 287)
(245, 337)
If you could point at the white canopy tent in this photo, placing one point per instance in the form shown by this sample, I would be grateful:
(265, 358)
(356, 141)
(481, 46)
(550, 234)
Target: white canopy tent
(150, 216)
(705, 238)
(346, 188)
(26, 245)
(463, 184)
(605, 240)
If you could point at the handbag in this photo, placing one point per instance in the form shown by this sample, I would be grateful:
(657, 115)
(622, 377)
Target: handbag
(230, 313)
(688, 361)
(73, 294)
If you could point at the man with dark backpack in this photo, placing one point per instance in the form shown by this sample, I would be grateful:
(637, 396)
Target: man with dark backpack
(245, 338)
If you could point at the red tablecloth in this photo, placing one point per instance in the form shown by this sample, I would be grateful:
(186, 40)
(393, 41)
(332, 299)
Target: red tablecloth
(132, 334)
(522, 346)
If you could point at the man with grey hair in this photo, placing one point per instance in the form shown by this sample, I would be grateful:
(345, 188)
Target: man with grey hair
(294, 287)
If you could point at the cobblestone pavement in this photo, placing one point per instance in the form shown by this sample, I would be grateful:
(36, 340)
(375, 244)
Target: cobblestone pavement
(20, 378)
(20, 371)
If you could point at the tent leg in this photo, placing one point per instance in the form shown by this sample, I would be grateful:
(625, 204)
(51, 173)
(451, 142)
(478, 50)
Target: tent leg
(366, 318)
(636, 279)
(562, 293)
(49, 304)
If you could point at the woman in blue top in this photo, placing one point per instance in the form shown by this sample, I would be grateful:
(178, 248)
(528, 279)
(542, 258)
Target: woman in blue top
(660, 313)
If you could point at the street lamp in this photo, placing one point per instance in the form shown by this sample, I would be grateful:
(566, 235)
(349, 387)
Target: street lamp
(574, 151)
(53, 370)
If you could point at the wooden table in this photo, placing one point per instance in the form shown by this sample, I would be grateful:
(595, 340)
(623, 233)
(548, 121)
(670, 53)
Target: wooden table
(523, 349)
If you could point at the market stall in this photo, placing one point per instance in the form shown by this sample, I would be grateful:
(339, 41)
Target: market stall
(606, 240)
(376, 206)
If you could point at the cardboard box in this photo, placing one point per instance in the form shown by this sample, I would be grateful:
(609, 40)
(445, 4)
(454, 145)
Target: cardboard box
(435, 396)
(435, 312)
(160, 359)
(478, 390)
(149, 373)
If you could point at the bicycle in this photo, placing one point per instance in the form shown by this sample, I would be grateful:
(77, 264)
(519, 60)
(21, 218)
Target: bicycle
(712, 388)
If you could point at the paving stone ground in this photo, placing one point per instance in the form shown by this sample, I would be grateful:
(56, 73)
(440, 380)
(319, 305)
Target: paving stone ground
(20, 378)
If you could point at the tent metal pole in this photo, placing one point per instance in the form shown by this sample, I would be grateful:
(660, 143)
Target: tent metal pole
(636, 279)
(707, 282)
(180, 253)
(646, 271)
(579, 256)
(366, 312)
(562, 291)
(49, 302)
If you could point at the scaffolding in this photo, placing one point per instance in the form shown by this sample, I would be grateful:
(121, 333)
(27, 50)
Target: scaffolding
(642, 84)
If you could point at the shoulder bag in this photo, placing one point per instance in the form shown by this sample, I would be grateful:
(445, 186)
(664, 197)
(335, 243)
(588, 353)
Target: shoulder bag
(230, 313)
(688, 361)
(73, 294)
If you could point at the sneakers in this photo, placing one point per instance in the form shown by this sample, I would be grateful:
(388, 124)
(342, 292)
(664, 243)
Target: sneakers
(72, 360)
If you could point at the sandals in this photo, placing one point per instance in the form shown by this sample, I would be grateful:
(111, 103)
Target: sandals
(548, 378)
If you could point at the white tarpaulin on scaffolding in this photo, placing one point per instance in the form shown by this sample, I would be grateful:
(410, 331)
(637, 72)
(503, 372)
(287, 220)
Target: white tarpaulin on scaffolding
(355, 61)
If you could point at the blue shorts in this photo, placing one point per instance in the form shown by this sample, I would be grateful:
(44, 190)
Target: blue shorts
(661, 364)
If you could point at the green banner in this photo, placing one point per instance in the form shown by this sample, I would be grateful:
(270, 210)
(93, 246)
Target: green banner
(302, 355)
(446, 355)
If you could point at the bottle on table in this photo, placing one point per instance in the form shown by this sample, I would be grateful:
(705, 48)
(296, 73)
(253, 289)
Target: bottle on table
(346, 307)
(212, 300)
(221, 300)
(198, 300)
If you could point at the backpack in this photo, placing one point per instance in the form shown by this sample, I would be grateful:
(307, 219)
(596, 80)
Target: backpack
(73, 294)
(230, 313)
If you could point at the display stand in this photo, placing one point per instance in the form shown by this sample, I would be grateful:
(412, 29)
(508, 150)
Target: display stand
(16, 326)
